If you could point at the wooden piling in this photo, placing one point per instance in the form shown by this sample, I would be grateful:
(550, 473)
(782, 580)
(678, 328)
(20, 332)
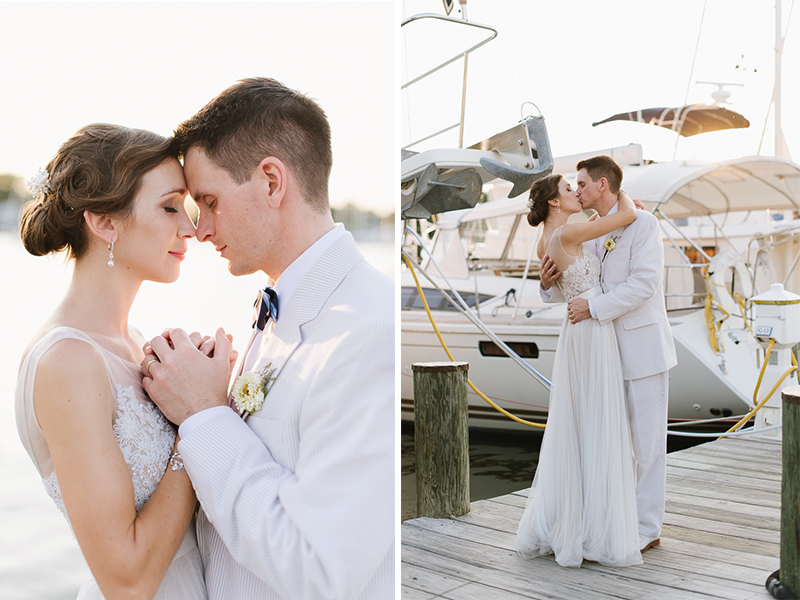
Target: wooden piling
(441, 438)
(790, 490)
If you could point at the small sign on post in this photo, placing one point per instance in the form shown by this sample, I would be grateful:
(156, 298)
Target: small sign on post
(441, 438)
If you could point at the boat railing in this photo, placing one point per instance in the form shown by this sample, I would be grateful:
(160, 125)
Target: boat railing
(768, 242)
(464, 54)
(690, 241)
(696, 296)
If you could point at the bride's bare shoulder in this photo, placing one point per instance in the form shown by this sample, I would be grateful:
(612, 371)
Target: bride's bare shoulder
(70, 370)
(541, 248)
(544, 242)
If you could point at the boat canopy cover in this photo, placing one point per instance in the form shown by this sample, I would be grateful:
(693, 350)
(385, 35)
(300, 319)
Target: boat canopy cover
(686, 188)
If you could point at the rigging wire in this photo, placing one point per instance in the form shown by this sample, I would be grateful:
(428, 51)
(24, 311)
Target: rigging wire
(696, 46)
(691, 72)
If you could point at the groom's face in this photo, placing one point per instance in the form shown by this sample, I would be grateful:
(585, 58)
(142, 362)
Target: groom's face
(229, 216)
(588, 191)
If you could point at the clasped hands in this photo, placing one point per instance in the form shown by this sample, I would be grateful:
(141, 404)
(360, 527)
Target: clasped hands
(186, 373)
(578, 308)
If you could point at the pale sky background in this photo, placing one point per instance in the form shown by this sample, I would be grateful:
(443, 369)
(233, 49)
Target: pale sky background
(153, 64)
(581, 61)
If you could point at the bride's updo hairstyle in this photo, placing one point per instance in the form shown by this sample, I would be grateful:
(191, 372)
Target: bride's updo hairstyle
(542, 191)
(99, 169)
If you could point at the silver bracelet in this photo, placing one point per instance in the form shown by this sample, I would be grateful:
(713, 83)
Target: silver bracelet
(176, 461)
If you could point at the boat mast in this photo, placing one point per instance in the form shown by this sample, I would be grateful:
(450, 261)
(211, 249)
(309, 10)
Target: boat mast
(463, 7)
(781, 148)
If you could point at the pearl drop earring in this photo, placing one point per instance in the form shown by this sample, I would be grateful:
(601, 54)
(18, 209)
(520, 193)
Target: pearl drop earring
(111, 254)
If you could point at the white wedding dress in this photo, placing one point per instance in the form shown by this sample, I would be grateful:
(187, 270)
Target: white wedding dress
(582, 503)
(146, 439)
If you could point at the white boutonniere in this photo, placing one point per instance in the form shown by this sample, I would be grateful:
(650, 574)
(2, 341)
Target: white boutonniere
(610, 244)
(251, 388)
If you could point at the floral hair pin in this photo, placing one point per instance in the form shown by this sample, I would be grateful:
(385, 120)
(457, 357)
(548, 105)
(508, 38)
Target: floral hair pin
(39, 184)
(251, 389)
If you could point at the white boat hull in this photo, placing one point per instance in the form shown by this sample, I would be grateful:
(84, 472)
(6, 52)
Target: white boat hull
(699, 388)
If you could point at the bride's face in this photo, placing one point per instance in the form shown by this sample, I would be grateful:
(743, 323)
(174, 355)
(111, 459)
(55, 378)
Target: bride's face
(152, 243)
(568, 199)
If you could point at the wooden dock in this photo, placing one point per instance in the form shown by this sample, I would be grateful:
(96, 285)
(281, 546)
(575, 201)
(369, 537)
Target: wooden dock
(721, 539)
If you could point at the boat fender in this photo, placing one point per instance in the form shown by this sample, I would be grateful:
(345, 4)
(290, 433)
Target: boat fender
(717, 269)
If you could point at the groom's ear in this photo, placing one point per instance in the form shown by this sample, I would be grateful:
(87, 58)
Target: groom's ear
(272, 174)
(103, 226)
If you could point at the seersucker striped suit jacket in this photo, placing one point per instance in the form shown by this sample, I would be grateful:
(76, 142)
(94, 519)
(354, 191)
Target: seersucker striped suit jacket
(298, 501)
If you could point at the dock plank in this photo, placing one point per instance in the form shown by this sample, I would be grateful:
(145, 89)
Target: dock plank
(721, 538)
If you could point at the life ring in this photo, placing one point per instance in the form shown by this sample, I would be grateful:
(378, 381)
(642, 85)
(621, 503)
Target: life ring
(717, 269)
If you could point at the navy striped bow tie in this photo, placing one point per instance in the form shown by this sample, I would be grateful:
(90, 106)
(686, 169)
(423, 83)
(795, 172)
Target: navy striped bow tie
(266, 307)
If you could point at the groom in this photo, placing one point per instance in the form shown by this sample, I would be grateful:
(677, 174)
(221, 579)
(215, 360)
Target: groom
(298, 499)
(633, 298)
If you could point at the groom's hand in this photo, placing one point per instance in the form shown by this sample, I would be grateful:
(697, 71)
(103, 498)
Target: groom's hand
(183, 380)
(578, 310)
(548, 272)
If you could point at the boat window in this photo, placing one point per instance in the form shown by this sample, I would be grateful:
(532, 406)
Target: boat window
(410, 299)
(698, 258)
(475, 231)
(524, 349)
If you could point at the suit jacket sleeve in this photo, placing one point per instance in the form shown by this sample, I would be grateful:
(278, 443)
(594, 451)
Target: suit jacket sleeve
(323, 530)
(646, 268)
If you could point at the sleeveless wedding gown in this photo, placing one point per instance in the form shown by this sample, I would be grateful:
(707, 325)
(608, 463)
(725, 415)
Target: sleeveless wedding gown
(145, 438)
(582, 503)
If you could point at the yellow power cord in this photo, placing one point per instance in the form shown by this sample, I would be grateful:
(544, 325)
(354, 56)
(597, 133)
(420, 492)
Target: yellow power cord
(740, 300)
(711, 323)
(758, 385)
(447, 350)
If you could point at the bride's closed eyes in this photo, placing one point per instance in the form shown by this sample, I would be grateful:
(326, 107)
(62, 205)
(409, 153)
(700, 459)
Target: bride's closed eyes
(173, 205)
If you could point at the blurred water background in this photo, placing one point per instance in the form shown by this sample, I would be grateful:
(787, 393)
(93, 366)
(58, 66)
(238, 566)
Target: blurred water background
(39, 557)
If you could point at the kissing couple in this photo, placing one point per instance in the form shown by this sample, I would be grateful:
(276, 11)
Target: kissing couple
(294, 469)
(599, 489)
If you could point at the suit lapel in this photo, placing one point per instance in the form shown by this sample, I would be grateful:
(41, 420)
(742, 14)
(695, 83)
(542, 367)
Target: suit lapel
(307, 301)
(616, 234)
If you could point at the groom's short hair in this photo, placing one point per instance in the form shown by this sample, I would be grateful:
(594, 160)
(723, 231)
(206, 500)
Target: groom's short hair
(603, 166)
(261, 117)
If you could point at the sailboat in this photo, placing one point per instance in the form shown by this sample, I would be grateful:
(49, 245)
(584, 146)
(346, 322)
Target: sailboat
(729, 232)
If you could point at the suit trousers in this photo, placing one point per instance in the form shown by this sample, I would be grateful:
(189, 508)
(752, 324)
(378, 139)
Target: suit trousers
(647, 411)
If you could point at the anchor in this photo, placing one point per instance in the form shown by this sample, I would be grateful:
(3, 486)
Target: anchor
(431, 196)
(524, 178)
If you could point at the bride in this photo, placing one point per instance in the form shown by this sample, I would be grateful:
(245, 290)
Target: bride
(113, 197)
(582, 503)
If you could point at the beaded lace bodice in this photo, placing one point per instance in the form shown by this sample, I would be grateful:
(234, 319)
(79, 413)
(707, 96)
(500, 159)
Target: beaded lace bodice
(578, 273)
(581, 275)
(144, 435)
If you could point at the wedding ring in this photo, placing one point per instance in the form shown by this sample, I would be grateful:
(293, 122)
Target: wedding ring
(147, 366)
